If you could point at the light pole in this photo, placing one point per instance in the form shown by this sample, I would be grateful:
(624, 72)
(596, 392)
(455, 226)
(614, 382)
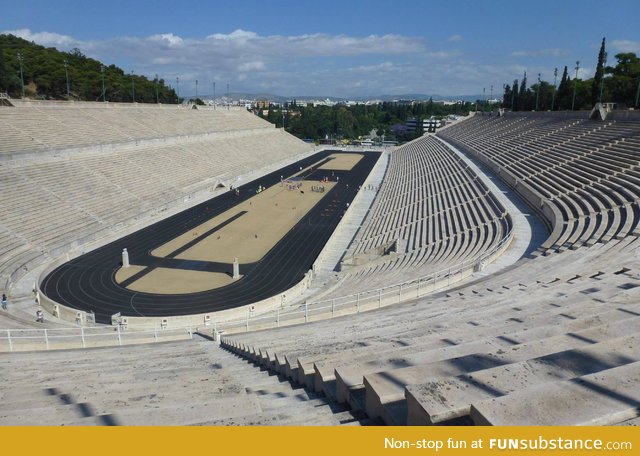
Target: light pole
(214, 95)
(555, 79)
(538, 91)
(66, 72)
(228, 100)
(196, 91)
(104, 96)
(602, 77)
(157, 96)
(178, 87)
(20, 59)
(133, 88)
(575, 85)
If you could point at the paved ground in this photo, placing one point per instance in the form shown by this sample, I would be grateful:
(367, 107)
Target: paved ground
(89, 282)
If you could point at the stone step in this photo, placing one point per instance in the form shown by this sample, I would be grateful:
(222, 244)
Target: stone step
(325, 371)
(601, 399)
(323, 362)
(54, 413)
(389, 387)
(187, 413)
(631, 422)
(443, 399)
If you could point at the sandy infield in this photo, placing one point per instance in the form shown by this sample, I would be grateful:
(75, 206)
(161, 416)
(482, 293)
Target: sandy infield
(259, 223)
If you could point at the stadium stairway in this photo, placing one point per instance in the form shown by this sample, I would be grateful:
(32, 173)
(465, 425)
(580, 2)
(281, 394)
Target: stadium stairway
(473, 354)
(174, 383)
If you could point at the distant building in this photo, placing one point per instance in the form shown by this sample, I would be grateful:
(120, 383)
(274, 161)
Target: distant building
(428, 125)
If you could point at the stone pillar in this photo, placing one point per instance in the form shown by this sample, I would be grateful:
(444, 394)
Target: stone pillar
(236, 269)
(125, 258)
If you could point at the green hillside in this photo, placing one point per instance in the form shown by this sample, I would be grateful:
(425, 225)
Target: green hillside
(45, 77)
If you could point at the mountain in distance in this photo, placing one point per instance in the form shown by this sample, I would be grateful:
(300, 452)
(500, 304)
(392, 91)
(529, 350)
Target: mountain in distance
(282, 99)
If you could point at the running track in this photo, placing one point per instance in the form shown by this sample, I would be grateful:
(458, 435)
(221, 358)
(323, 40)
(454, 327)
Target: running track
(88, 282)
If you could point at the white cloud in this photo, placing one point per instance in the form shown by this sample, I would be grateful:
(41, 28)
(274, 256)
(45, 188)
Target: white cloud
(454, 38)
(625, 46)
(167, 38)
(251, 66)
(311, 64)
(45, 38)
(541, 53)
(240, 55)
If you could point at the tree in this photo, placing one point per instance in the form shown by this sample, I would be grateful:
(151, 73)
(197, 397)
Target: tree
(563, 94)
(523, 94)
(506, 96)
(599, 76)
(624, 80)
(515, 97)
(44, 72)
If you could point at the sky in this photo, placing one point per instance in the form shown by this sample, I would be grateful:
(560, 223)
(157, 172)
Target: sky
(339, 48)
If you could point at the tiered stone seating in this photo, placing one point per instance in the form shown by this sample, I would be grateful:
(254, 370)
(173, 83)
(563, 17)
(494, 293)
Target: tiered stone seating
(56, 127)
(606, 397)
(549, 320)
(547, 341)
(437, 210)
(54, 200)
(171, 383)
(584, 170)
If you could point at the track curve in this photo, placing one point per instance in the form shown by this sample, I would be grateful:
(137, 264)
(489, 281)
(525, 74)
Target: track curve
(88, 282)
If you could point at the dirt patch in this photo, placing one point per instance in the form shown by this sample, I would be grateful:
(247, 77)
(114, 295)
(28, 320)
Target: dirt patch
(342, 162)
(266, 218)
(178, 281)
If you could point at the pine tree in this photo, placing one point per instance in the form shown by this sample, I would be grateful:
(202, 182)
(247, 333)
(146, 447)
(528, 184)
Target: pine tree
(597, 79)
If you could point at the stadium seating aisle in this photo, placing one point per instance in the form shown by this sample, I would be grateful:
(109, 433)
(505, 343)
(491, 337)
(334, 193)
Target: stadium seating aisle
(392, 363)
(146, 384)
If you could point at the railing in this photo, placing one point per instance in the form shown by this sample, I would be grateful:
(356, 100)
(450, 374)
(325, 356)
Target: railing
(85, 337)
(12, 340)
(358, 302)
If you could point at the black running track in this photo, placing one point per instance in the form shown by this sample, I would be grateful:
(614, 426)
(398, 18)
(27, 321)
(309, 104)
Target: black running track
(88, 282)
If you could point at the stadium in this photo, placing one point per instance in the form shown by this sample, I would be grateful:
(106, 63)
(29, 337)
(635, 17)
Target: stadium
(446, 281)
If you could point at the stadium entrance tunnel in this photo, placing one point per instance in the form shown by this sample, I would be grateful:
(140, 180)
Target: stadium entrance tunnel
(276, 226)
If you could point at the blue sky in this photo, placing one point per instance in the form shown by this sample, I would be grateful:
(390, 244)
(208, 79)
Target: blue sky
(334, 48)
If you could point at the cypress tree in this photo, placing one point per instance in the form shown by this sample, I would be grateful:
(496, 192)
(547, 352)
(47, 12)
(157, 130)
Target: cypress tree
(563, 89)
(506, 97)
(523, 93)
(515, 102)
(597, 79)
